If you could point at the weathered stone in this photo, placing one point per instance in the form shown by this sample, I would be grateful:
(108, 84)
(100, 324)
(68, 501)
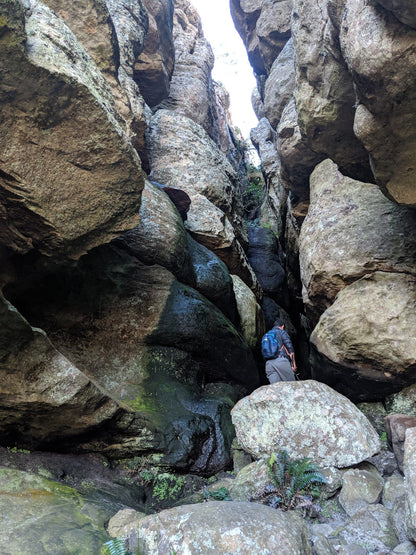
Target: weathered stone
(333, 481)
(385, 119)
(385, 462)
(409, 464)
(210, 226)
(381, 236)
(123, 522)
(280, 85)
(192, 92)
(220, 527)
(42, 516)
(306, 418)
(166, 332)
(264, 257)
(249, 480)
(359, 489)
(153, 69)
(325, 95)
(403, 402)
(393, 489)
(273, 206)
(213, 279)
(397, 426)
(241, 459)
(405, 548)
(182, 155)
(264, 26)
(364, 344)
(160, 238)
(370, 527)
(251, 316)
(47, 138)
(42, 391)
(297, 158)
(376, 413)
(405, 11)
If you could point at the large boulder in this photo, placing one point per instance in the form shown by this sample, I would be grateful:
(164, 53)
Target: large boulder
(182, 155)
(308, 419)
(381, 236)
(210, 226)
(218, 528)
(153, 69)
(364, 345)
(212, 278)
(160, 237)
(171, 340)
(371, 527)
(250, 313)
(42, 391)
(192, 92)
(266, 260)
(274, 203)
(324, 91)
(297, 157)
(280, 84)
(405, 11)
(264, 26)
(410, 482)
(385, 117)
(66, 131)
(42, 516)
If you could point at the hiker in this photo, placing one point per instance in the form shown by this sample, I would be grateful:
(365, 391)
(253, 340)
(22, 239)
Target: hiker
(279, 354)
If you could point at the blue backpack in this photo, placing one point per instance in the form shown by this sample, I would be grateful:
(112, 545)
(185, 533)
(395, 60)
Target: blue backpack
(272, 345)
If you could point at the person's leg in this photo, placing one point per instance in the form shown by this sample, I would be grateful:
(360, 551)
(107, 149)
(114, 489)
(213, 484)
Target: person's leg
(271, 373)
(285, 370)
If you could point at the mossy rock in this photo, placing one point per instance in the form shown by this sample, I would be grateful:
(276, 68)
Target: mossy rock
(43, 517)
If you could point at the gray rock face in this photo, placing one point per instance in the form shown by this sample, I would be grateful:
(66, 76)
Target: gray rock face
(280, 84)
(385, 123)
(410, 482)
(324, 92)
(160, 238)
(264, 26)
(90, 156)
(153, 69)
(351, 230)
(182, 155)
(364, 344)
(359, 489)
(192, 92)
(306, 418)
(212, 278)
(405, 11)
(370, 527)
(41, 389)
(219, 528)
(397, 426)
(210, 226)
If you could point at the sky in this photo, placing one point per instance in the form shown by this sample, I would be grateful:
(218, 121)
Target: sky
(231, 67)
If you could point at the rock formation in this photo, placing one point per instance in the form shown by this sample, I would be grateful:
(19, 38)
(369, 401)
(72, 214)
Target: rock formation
(111, 310)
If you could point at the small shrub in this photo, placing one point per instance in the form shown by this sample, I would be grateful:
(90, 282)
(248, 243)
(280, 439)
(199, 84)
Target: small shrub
(293, 483)
(116, 547)
(221, 494)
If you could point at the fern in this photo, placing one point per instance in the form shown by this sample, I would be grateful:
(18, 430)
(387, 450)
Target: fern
(116, 547)
(292, 482)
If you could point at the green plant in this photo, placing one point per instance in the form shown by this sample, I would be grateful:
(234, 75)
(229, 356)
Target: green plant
(293, 483)
(167, 486)
(221, 494)
(116, 547)
(383, 436)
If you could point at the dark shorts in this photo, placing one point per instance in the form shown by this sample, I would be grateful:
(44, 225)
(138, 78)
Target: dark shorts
(279, 370)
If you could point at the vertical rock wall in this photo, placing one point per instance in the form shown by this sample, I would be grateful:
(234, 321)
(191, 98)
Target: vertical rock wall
(336, 103)
(120, 328)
